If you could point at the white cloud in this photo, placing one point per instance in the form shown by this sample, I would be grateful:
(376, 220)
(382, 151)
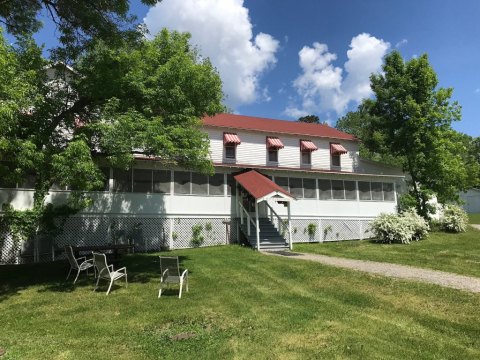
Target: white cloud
(223, 32)
(401, 43)
(323, 86)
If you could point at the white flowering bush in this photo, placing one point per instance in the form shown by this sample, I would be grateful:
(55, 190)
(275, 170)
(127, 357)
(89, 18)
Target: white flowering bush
(454, 219)
(399, 228)
(417, 223)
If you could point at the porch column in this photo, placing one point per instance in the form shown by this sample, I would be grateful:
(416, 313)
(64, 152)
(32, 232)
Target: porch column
(257, 225)
(289, 227)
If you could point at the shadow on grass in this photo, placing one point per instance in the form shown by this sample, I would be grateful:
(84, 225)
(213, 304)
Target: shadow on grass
(141, 268)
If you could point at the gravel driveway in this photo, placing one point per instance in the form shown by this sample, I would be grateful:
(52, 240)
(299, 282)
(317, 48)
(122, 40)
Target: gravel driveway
(467, 283)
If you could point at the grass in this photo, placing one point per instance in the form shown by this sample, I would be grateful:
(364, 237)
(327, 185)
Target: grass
(241, 305)
(474, 218)
(456, 253)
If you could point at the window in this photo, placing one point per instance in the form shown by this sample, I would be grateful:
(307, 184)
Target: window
(337, 190)
(282, 181)
(364, 190)
(273, 145)
(377, 193)
(230, 152)
(161, 181)
(306, 158)
(309, 189)
(336, 150)
(142, 180)
(350, 190)
(388, 193)
(296, 187)
(230, 142)
(230, 184)
(199, 184)
(216, 184)
(181, 182)
(324, 189)
(122, 180)
(106, 178)
(273, 155)
(336, 160)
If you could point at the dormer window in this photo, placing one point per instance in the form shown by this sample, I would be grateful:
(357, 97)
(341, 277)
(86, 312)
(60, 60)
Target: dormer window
(306, 149)
(230, 143)
(336, 150)
(273, 145)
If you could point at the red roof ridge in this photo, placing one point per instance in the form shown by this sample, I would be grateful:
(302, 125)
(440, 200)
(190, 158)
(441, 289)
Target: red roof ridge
(244, 122)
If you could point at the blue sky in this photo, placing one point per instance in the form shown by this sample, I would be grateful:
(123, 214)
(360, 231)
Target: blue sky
(257, 47)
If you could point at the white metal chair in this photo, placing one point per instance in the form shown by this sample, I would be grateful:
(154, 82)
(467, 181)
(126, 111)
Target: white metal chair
(170, 274)
(106, 272)
(74, 263)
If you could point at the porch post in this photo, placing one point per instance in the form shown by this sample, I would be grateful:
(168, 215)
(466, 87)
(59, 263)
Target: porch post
(289, 227)
(257, 225)
(237, 208)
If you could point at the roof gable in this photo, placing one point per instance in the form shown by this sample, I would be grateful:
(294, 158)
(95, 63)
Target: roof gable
(242, 122)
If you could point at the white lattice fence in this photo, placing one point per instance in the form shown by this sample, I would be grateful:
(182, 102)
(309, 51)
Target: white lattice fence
(148, 233)
(213, 232)
(329, 229)
(9, 249)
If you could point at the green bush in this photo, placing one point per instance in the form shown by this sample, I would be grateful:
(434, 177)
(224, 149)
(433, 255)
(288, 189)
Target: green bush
(454, 219)
(399, 228)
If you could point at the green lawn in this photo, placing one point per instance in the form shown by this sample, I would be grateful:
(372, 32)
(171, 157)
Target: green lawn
(241, 305)
(457, 253)
(474, 218)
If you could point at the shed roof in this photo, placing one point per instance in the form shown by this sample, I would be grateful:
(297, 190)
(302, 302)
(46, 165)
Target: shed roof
(259, 186)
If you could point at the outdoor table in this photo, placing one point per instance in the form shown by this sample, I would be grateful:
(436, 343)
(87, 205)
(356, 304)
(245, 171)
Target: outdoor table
(115, 248)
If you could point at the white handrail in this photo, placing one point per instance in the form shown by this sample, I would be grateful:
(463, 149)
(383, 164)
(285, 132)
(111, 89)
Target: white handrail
(281, 225)
(249, 218)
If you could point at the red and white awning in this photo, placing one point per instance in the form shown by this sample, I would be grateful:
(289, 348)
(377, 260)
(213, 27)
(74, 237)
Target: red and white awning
(274, 143)
(337, 149)
(307, 145)
(231, 139)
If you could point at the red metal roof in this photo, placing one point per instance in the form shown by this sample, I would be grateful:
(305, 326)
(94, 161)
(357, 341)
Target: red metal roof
(231, 139)
(307, 145)
(259, 185)
(274, 143)
(337, 149)
(275, 126)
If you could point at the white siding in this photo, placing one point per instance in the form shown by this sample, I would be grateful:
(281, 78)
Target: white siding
(253, 151)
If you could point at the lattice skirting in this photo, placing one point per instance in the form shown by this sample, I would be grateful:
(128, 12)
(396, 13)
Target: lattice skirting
(330, 229)
(156, 233)
(148, 234)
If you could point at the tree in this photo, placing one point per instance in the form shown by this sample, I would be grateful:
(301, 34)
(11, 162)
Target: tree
(77, 22)
(410, 119)
(144, 96)
(311, 119)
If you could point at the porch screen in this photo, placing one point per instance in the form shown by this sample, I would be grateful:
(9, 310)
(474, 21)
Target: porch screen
(161, 181)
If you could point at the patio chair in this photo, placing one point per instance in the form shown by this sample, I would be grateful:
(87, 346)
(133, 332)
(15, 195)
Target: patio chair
(107, 272)
(170, 274)
(74, 263)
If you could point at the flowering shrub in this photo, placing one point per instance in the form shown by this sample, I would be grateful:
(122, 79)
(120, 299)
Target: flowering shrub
(399, 228)
(454, 219)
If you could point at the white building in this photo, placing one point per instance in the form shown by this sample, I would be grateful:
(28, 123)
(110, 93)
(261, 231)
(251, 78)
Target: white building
(311, 171)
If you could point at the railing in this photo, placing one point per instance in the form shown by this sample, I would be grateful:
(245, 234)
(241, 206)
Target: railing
(282, 226)
(245, 213)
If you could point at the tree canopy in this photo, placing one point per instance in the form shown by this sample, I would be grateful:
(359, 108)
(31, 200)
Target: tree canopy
(408, 122)
(146, 96)
(77, 22)
(311, 119)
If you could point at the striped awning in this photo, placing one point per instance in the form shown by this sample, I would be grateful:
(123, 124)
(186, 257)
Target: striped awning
(337, 149)
(231, 139)
(274, 143)
(307, 145)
